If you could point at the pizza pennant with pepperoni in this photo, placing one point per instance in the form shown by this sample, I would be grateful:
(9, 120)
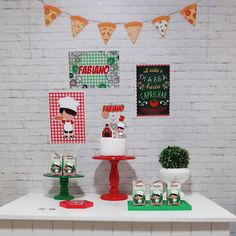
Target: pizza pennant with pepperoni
(190, 13)
(161, 24)
(106, 30)
(50, 14)
(133, 30)
(78, 23)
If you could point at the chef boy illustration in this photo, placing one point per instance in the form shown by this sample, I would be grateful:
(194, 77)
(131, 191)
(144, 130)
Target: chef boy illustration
(139, 198)
(120, 127)
(56, 168)
(156, 197)
(68, 111)
(174, 198)
(69, 169)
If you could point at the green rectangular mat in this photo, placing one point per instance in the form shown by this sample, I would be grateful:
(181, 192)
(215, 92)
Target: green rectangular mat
(184, 206)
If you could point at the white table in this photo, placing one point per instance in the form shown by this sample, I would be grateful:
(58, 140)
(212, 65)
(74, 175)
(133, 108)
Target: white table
(35, 214)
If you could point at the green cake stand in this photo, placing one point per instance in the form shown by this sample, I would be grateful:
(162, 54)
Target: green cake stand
(64, 183)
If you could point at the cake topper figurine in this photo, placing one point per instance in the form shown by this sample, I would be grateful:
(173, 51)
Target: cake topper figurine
(107, 133)
(120, 127)
(112, 138)
(114, 128)
(106, 109)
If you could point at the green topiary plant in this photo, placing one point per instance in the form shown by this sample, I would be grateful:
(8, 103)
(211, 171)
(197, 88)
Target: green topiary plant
(174, 157)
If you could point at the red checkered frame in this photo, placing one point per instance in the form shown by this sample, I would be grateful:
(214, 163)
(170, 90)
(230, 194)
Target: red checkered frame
(57, 128)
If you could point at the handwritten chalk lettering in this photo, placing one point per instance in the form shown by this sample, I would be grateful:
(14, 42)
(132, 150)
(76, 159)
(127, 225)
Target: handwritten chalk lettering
(151, 70)
(153, 110)
(155, 70)
(150, 86)
(153, 79)
(153, 94)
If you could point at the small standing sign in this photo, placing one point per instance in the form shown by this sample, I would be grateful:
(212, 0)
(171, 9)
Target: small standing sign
(153, 90)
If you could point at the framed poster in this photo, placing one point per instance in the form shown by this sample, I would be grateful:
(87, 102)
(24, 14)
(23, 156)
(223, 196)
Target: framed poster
(67, 119)
(153, 90)
(94, 69)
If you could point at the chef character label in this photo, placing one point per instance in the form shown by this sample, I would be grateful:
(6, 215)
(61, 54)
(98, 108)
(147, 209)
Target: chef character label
(69, 165)
(56, 164)
(173, 190)
(156, 193)
(120, 128)
(139, 196)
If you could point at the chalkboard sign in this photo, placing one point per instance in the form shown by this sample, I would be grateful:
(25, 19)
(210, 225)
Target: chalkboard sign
(153, 90)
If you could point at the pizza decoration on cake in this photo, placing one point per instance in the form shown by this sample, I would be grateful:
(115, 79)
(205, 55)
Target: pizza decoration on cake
(133, 29)
(106, 30)
(77, 24)
(190, 13)
(50, 14)
(161, 24)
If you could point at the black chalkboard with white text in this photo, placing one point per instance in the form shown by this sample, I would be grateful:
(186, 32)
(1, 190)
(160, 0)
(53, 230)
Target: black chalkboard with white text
(153, 90)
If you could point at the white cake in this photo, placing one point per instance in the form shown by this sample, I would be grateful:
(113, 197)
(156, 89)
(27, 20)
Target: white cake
(112, 146)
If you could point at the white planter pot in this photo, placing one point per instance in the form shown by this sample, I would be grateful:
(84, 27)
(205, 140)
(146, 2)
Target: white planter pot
(179, 175)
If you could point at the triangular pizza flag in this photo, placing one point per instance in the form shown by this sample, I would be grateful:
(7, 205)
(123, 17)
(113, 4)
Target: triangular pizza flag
(190, 13)
(77, 24)
(106, 30)
(50, 14)
(161, 24)
(133, 29)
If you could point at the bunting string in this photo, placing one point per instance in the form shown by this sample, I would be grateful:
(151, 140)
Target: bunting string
(78, 23)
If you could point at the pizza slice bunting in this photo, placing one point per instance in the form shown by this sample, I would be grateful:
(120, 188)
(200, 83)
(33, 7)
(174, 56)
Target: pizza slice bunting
(133, 29)
(106, 29)
(78, 23)
(161, 24)
(190, 13)
(50, 14)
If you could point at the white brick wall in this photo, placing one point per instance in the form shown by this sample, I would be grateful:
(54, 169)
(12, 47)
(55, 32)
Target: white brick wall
(34, 61)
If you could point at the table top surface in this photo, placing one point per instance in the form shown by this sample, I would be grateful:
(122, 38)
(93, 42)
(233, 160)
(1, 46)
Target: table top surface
(40, 207)
(114, 158)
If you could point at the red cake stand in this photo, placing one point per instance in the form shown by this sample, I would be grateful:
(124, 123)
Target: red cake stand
(114, 193)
